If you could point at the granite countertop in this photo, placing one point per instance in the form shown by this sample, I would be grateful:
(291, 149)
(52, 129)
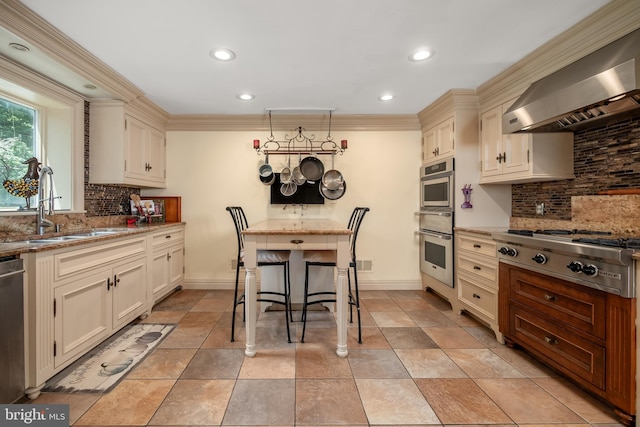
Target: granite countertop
(17, 247)
(481, 230)
(279, 226)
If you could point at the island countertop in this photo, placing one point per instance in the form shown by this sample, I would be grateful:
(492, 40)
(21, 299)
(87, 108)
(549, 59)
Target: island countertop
(280, 226)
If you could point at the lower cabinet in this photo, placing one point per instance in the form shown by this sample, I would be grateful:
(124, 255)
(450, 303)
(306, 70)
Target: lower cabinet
(167, 262)
(477, 277)
(579, 331)
(79, 296)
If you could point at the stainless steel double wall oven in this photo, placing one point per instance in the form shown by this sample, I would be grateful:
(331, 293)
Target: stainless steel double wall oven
(436, 220)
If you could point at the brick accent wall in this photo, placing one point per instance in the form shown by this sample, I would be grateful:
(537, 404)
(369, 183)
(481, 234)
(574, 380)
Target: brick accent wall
(102, 200)
(605, 158)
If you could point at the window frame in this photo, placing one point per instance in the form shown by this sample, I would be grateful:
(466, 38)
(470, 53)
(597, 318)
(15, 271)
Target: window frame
(67, 119)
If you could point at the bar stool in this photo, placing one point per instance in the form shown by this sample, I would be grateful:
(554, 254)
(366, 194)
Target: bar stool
(319, 258)
(264, 258)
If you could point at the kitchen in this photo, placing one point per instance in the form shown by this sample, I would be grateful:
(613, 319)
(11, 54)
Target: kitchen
(207, 221)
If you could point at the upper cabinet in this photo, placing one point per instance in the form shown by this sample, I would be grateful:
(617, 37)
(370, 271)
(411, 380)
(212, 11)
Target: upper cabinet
(522, 157)
(438, 142)
(125, 147)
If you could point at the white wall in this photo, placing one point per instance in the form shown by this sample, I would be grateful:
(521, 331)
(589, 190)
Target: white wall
(212, 170)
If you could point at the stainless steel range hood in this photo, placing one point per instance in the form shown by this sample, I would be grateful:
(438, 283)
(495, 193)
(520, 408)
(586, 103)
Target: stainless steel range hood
(601, 85)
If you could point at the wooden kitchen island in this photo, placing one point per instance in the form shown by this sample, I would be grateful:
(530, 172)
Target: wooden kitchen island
(297, 234)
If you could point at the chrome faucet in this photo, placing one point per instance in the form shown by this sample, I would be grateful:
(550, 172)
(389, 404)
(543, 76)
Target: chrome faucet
(41, 221)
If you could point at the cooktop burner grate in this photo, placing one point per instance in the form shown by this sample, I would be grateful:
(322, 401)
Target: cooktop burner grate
(558, 232)
(614, 243)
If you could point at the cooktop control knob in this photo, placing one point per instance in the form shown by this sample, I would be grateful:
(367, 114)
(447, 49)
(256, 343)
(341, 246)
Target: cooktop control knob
(540, 258)
(508, 251)
(575, 266)
(590, 270)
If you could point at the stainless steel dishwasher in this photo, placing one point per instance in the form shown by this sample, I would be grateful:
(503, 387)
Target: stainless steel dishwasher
(11, 329)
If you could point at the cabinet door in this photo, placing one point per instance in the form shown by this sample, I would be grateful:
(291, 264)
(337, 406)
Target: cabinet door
(135, 140)
(445, 138)
(516, 152)
(491, 142)
(82, 315)
(159, 274)
(176, 265)
(429, 145)
(156, 156)
(129, 290)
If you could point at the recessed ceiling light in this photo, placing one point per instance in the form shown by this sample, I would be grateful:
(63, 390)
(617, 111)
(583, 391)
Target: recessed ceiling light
(246, 96)
(420, 55)
(385, 97)
(222, 54)
(20, 47)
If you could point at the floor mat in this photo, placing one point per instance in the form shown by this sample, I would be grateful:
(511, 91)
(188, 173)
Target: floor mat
(106, 365)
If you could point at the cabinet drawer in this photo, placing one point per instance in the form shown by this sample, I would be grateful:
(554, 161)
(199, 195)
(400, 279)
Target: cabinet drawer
(167, 237)
(566, 351)
(576, 306)
(481, 298)
(486, 269)
(298, 242)
(477, 244)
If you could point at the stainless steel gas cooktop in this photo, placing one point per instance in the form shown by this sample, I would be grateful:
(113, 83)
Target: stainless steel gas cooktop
(596, 259)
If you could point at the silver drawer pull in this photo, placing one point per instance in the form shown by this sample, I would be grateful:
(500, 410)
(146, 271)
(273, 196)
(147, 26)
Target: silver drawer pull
(551, 340)
(551, 298)
(297, 241)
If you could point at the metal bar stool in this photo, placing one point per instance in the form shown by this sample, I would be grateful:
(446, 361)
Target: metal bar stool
(265, 258)
(319, 258)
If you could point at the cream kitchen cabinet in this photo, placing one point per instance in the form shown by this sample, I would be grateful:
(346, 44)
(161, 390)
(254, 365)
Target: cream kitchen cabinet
(167, 262)
(522, 157)
(79, 296)
(477, 277)
(124, 147)
(439, 141)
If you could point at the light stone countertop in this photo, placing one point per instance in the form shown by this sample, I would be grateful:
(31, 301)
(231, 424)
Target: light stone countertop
(481, 230)
(280, 226)
(18, 247)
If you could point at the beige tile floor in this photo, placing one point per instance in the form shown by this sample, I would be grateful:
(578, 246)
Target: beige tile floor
(419, 364)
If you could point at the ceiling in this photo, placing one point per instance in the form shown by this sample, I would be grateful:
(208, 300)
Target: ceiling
(302, 54)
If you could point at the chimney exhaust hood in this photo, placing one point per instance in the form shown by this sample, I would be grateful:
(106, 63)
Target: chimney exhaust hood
(601, 85)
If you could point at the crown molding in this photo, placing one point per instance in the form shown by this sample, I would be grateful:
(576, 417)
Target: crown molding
(286, 122)
(451, 101)
(23, 22)
(614, 20)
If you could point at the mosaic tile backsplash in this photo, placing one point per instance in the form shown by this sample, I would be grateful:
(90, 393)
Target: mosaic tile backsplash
(605, 158)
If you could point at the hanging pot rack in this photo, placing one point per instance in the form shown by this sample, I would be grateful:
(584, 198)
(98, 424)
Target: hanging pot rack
(299, 143)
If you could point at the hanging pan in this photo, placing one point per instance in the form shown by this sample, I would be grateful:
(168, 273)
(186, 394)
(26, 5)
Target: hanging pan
(333, 194)
(332, 179)
(298, 176)
(266, 172)
(312, 168)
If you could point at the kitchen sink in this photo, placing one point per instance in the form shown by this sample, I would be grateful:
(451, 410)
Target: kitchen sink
(71, 237)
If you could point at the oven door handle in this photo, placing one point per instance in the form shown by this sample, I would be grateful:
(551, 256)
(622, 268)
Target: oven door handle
(447, 214)
(437, 235)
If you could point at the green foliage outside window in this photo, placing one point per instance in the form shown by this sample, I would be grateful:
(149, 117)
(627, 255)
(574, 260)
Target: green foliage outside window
(17, 144)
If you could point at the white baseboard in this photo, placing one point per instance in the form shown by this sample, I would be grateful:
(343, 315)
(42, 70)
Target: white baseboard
(365, 285)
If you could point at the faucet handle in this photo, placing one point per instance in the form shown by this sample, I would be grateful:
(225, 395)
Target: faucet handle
(58, 227)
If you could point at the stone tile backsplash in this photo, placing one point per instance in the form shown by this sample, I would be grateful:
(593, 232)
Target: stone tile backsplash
(605, 158)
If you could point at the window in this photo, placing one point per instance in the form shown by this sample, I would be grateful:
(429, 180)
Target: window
(18, 144)
(46, 121)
